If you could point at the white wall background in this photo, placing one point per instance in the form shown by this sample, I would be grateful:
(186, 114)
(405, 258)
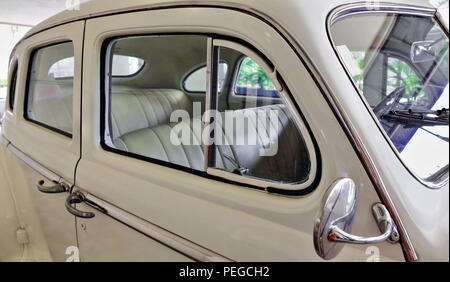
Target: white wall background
(16, 18)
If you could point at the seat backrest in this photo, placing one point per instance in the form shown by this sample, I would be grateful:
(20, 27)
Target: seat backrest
(269, 146)
(286, 165)
(52, 104)
(135, 108)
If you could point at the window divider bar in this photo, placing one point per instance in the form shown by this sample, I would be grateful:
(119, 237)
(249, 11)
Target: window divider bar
(212, 66)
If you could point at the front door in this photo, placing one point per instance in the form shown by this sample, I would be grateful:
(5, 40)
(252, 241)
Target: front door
(155, 188)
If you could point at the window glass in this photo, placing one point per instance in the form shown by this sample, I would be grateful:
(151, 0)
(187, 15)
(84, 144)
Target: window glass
(10, 35)
(123, 66)
(48, 100)
(126, 65)
(144, 111)
(252, 80)
(400, 65)
(150, 117)
(62, 69)
(258, 138)
(196, 81)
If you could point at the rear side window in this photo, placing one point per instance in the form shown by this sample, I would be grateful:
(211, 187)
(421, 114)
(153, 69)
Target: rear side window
(253, 81)
(49, 100)
(126, 65)
(62, 69)
(12, 87)
(196, 80)
(400, 65)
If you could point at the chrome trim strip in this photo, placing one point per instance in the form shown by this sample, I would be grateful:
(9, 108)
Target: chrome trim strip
(373, 7)
(303, 56)
(153, 231)
(34, 165)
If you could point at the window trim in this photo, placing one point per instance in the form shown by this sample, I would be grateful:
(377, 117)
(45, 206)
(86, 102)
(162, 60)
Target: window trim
(311, 182)
(439, 179)
(27, 88)
(13, 85)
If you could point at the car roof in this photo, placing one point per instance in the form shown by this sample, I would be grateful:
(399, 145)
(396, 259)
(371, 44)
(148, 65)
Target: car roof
(288, 11)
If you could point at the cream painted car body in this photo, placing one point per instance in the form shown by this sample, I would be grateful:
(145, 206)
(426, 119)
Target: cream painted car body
(172, 215)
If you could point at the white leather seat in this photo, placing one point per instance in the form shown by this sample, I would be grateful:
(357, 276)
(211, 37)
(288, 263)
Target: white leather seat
(136, 108)
(289, 164)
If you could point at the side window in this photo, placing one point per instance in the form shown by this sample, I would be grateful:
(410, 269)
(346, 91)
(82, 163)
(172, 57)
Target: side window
(259, 142)
(126, 65)
(12, 87)
(405, 80)
(252, 80)
(196, 80)
(48, 99)
(149, 117)
(62, 68)
(143, 110)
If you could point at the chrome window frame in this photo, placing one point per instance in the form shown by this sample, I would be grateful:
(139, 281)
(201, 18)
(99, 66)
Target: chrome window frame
(440, 178)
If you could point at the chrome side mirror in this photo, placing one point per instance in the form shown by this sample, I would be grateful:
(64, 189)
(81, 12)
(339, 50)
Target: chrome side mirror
(338, 209)
(333, 225)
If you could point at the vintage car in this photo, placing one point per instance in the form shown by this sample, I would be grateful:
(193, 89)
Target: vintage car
(234, 130)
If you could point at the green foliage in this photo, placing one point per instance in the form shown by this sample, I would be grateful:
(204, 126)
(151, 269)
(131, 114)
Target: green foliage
(251, 75)
(359, 57)
(401, 75)
(3, 82)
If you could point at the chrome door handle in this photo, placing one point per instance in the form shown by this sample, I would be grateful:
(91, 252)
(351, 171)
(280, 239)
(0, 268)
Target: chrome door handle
(56, 188)
(385, 223)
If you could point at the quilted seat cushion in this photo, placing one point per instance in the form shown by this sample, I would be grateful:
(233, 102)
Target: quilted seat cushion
(290, 163)
(135, 108)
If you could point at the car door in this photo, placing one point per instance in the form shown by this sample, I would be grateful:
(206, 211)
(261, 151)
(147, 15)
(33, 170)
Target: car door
(42, 129)
(169, 207)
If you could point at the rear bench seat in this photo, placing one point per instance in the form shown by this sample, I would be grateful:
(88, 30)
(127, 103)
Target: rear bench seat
(136, 108)
(140, 127)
